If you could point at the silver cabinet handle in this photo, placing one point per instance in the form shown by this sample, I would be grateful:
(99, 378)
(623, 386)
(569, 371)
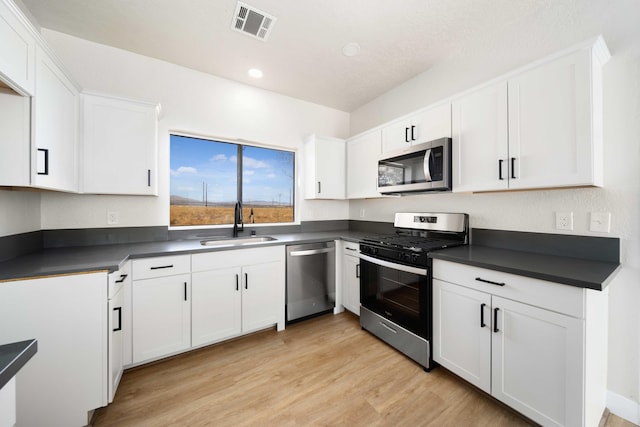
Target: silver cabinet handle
(319, 187)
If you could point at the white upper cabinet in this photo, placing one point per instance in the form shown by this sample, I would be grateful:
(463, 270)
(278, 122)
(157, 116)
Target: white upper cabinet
(480, 141)
(552, 125)
(427, 125)
(54, 124)
(324, 168)
(119, 146)
(17, 49)
(362, 165)
(15, 139)
(539, 128)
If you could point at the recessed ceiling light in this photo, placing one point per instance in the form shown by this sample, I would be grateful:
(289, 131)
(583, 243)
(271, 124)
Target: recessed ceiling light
(255, 73)
(351, 49)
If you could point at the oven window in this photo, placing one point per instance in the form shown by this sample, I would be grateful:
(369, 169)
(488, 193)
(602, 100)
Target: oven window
(396, 295)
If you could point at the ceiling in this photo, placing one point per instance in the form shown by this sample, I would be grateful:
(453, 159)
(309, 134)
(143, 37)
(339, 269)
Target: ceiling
(302, 56)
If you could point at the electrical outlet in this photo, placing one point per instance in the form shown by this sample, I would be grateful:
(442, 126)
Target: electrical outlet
(600, 221)
(564, 220)
(113, 218)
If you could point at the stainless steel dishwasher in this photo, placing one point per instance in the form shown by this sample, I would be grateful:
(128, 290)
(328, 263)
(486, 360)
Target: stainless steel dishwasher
(311, 279)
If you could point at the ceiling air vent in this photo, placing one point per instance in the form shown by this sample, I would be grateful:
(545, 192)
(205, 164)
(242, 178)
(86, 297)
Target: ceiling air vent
(252, 22)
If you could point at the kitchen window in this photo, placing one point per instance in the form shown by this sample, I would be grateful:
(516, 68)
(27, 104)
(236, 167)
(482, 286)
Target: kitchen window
(208, 177)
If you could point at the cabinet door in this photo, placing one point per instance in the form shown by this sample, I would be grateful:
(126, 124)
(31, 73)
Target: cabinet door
(324, 169)
(462, 332)
(116, 342)
(262, 295)
(55, 127)
(424, 126)
(161, 316)
(68, 375)
(480, 144)
(17, 50)
(119, 145)
(362, 166)
(15, 139)
(216, 309)
(351, 283)
(538, 362)
(434, 123)
(397, 135)
(550, 128)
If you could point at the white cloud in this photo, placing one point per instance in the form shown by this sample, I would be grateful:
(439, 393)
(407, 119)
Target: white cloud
(219, 158)
(271, 175)
(249, 172)
(250, 162)
(184, 170)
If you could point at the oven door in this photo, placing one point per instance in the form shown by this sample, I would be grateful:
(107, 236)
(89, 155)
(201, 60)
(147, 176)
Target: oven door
(397, 292)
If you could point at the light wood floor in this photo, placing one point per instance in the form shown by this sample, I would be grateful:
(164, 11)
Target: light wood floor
(321, 372)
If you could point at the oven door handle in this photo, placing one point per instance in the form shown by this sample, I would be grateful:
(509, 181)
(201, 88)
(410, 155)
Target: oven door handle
(401, 267)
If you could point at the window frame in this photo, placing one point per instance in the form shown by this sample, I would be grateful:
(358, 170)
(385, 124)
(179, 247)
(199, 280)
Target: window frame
(239, 143)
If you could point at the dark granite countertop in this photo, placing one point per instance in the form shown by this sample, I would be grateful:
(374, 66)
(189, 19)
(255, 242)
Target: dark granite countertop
(57, 261)
(586, 262)
(583, 273)
(13, 357)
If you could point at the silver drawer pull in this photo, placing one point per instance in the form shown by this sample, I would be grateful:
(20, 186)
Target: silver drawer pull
(388, 328)
(490, 282)
(351, 249)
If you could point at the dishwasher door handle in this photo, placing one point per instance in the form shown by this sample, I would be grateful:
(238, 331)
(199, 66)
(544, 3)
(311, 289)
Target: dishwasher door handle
(312, 252)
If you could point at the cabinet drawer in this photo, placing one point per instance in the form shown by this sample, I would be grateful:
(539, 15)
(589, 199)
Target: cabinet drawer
(236, 257)
(117, 279)
(551, 296)
(351, 248)
(148, 268)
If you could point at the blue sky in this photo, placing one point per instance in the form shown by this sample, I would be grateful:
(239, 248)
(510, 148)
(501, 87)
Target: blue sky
(267, 173)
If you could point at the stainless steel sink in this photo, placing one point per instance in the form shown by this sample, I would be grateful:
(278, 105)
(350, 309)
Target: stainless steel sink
(237, 241)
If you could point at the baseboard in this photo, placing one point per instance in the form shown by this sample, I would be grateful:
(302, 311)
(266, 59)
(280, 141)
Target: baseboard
(623, 407)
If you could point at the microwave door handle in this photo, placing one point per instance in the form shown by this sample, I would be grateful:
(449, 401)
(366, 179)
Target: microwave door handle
(427, 168)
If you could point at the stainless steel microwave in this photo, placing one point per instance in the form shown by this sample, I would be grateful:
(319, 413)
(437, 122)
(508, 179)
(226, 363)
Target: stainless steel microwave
(420, 168)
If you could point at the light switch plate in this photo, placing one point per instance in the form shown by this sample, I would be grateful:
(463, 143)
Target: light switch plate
(600, 221)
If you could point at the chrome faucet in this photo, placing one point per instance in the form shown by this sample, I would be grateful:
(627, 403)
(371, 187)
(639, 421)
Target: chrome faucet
(237, 219)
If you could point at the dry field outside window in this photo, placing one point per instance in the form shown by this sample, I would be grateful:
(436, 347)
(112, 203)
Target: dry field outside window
(217, 215)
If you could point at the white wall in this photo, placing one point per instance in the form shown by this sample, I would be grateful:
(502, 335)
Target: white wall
(534, 210)
(19, 212)
(193, 102)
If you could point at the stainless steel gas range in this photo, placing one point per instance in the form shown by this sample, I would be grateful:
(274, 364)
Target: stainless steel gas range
(396, 280)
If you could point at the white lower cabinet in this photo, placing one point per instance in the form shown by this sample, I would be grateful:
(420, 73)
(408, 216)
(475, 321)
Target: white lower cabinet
(217, 305)
(236, 292)
(524, 341)
(67, 316)
(161, 301)
(351, 277)
(118, 326)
